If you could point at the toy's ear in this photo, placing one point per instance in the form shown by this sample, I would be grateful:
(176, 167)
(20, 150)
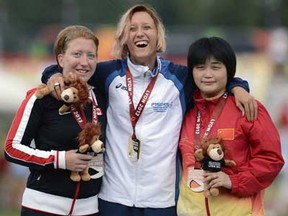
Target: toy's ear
(71, 78)
(199, 154)
(219, 145)
(209, 148)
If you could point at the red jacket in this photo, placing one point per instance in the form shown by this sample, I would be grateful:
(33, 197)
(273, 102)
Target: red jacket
(254, 146)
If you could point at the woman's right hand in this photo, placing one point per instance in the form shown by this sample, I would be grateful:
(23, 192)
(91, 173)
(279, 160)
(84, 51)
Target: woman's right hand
(56, 82)
(76, 161)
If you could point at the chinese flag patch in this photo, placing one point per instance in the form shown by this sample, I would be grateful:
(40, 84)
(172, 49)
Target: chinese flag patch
(226, 133)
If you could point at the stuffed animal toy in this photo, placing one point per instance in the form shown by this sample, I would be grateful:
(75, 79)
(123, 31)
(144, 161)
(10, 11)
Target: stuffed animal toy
(88, 140)
(42, 90)
(76, 92)
(212, 157)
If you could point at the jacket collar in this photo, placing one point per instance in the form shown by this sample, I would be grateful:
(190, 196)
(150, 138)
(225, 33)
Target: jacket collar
(139, 70)
(201, 102)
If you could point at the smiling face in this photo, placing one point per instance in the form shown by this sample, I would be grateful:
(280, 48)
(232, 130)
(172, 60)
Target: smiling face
(142, 39)
(211, 78)
(80, 57)
(212, 62)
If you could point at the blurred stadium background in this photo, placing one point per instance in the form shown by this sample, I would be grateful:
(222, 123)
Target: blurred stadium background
(257, 30)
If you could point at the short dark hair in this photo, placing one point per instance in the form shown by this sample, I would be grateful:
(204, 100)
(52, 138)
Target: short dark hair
(220, 49)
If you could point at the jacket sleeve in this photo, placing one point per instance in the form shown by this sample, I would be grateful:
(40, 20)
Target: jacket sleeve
(186, 143)
(49, 71)
(238, 82)
(265, 159)
(18, 146)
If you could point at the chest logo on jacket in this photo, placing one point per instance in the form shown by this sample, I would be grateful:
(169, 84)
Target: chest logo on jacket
(161, 106)
(121, 86)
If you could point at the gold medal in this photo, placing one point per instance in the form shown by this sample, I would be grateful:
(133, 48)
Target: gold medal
(134, 149)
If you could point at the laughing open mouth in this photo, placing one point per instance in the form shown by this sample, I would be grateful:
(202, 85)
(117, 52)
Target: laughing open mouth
(141, 44)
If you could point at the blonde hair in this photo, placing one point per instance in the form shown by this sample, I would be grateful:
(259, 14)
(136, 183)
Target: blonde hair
(72, 32)
(119, 49)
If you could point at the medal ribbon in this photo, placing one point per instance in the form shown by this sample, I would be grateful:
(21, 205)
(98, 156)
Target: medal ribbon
(218, 109)
(136, 113)
(80, 117)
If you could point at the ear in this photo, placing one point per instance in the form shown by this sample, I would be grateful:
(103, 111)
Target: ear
(208, 149)
(60, 58)
(218, 145)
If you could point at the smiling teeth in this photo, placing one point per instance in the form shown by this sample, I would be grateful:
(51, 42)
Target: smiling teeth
(141, 43)
(82, 71)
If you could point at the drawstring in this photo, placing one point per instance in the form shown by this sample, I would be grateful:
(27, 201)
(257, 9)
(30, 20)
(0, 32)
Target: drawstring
(207, 207)
(74, 199)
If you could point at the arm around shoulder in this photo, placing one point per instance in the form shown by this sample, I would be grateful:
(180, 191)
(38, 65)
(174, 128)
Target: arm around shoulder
(49, 71)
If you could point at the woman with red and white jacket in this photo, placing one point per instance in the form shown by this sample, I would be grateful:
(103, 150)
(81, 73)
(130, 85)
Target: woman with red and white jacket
(45, 141)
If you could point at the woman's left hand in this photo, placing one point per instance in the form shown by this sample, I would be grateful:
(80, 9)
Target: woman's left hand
(246, 103)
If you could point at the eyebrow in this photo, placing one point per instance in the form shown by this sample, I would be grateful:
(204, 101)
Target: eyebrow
(216, 62)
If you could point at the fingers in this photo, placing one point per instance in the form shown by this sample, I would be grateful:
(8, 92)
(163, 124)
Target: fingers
(84, 157)
(219, 179)
(255, 110)
(76, 161)
(248, 108)
(56, 84)
(251, 109)
(215, 182)
(240, 107)
(82, 163)
(79, 168)
(57, 90)
(248, 111)
(79, 165)
(208, 177)
(246, 103)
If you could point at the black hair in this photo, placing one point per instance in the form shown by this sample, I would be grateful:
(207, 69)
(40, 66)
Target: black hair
(206, 47)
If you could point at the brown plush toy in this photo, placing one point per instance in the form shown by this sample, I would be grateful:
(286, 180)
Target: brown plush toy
(212, 157)
(76, 92)
(88, 140)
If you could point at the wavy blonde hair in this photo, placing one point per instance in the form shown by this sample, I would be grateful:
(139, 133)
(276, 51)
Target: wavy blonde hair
(120, 49)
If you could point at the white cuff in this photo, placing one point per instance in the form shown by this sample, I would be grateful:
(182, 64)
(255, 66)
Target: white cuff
(59, 162)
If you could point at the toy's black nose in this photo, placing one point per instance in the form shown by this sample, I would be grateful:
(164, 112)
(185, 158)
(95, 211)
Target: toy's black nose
(66, 97)
(219, 151)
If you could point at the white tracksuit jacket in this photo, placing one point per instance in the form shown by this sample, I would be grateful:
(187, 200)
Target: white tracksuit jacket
(149, 182)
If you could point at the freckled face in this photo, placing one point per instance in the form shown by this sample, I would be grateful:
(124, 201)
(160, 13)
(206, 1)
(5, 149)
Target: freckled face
(142, 39)
(211, 78)
(80, 57)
